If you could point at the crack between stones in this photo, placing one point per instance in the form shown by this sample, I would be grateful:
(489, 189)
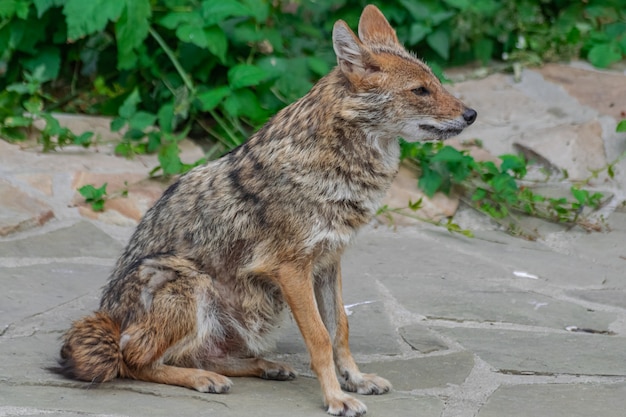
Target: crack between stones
(79, 386)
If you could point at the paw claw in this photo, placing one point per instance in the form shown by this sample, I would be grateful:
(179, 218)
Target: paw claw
(366, 384)
(346, 406)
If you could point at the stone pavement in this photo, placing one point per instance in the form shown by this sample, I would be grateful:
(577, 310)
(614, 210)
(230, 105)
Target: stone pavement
(486, 326)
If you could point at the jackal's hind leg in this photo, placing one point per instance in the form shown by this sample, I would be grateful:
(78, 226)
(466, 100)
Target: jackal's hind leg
(253, 367)
(198, 379)
(174, 296)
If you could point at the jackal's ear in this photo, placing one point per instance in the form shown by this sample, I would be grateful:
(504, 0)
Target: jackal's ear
(352, 56)
(374, 29)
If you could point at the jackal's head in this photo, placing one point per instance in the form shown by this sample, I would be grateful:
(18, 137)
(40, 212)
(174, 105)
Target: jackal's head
(394, 92)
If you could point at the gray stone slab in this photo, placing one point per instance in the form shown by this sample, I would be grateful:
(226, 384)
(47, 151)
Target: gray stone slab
(520, 352)
(455, 300)
(81, 239)
(514, 254)
(301, 397)
(29, 290)
(458, 279)
(612, 297)
(552, 400)
(422, 339)
(25, 382)
(606, 249)
(421, 373)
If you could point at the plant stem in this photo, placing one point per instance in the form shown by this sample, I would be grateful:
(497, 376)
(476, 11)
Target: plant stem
(170, 54)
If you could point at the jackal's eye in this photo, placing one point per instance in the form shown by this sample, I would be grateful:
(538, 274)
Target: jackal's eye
(421, 91)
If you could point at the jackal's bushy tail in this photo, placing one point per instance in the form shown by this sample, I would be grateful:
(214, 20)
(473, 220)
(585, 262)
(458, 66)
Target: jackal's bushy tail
(91, 350)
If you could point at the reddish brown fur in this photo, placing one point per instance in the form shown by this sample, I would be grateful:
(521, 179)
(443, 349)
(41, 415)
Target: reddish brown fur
(200, 288)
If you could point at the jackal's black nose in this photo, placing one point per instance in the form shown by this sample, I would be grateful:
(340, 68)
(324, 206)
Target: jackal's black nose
(470, 116)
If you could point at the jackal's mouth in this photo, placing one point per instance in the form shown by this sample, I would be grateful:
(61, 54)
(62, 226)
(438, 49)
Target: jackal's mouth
(441, 132)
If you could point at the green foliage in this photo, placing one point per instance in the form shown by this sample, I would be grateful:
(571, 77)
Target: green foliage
(94, 196)
(493, 189)
(218, 69)
(621, 126)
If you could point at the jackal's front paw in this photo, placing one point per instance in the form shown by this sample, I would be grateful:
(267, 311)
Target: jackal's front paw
(206, 381)
(366, 384)
(347, 406)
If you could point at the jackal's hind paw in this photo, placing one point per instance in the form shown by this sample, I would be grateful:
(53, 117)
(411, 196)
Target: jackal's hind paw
(366, 384)
(278, 371)
(346, 406)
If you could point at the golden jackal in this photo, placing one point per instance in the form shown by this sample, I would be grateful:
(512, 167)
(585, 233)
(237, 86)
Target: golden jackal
(198, 292)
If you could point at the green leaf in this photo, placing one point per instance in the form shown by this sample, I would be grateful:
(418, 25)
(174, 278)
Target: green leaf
(10, 8)
(245, 76)
(417, 9)
(611, 171)
(92, 193)
(132, 29)
(439, 40)
(169, 159)
(483, 49)
(580, 195)
(53, 127)
(43, 6)
(516, 164)
(124, 149)
(141, 120)
(210, 99)
(216, 11)
(192, 34)
(479, 194)
(173, 20)
(134, 134)
(49, 59)
(430, 181)
(117, 124)
(87, 17)
(417, 32)
(129, 107)
(34, 105)
(216, 42)
(97, 205)
(166, 117)
(318, 66)
(448, 154)
(17, 121)
(621, 126)
(603, 55)
(154, 141)
(245, 103)
(459, 4)
(414, 206)
(259, 9)
(83, 139)
(7, 8)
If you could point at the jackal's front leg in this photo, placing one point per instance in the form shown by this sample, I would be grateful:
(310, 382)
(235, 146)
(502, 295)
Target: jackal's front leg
(328, 293)
(296, 284)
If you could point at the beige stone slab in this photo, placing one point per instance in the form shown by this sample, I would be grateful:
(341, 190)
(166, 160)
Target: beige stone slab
(603, 91)
(19, 211)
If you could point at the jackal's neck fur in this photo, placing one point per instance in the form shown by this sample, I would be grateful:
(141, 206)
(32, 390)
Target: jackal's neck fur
(334, 137)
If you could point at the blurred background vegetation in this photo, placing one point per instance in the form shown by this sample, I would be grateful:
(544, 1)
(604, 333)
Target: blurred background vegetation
(218, 69)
